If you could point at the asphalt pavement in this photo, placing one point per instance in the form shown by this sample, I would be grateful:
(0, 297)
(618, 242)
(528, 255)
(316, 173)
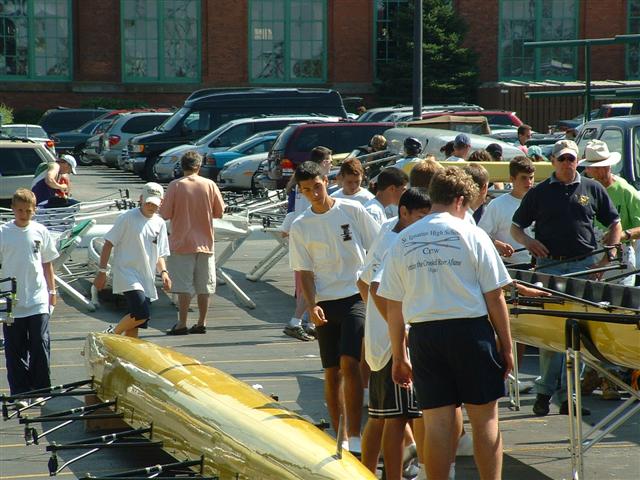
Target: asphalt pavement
(249, 344)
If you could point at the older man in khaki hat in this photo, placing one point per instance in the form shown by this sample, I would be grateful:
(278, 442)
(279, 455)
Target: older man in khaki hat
(563, 208)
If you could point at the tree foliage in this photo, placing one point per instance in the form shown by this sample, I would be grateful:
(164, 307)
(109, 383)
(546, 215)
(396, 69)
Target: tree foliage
(450, 71)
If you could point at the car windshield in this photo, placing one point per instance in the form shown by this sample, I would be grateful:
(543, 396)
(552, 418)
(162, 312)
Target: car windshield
(27, 131)
(173, 120)
(211, 135)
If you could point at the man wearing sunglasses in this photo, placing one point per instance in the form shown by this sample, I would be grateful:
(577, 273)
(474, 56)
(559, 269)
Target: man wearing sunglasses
(564, 208)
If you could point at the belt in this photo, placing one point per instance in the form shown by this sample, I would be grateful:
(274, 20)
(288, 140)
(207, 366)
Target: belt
(568, 259)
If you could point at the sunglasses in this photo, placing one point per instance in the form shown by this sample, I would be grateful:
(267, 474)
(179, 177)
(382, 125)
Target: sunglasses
(567, 158)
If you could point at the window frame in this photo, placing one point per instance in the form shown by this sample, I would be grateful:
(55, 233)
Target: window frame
(161, 78)
(287, 80)
(31, 59)
(537, 51)
(627, 69)
(374, 42)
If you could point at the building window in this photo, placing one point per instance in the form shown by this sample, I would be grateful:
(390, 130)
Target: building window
(35, 40)
(387, 23)
(287, 41)
(537, 20)
(633, 49)
(160, 40)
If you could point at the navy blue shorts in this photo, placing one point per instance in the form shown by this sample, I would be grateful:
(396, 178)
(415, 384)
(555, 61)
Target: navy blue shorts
(138, 306)
(387, 399)
(344, 330)
(455, 361)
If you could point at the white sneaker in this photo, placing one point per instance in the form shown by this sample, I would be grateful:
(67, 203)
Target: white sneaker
(109, 329)
(411, 469)
(465, 446)
(452, 472)
(422, 474)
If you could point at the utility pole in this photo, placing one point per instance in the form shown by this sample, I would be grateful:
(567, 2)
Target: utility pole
(417, 60)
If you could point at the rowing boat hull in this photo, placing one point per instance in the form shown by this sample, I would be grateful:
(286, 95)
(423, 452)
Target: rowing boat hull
(617, 343)
(198, 410)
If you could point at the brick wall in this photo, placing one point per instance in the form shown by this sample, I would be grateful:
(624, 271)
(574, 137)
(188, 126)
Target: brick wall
(96, 33)
(225, 48)
(481, 18)
(603, 19)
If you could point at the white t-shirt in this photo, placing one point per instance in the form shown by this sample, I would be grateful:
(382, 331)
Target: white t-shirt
(468, 217)
(440, 267)
(363, 195)
(454, 158)
(377, 344)
(23, 250)
(333, 246)
(376, 210)
(497, 220)
(138, 242)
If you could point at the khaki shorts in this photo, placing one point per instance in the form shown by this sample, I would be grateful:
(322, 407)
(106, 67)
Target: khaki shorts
(193, 273)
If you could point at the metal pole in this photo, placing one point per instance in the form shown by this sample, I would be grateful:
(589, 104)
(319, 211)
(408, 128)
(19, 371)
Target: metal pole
(587, 82)
(417, 60)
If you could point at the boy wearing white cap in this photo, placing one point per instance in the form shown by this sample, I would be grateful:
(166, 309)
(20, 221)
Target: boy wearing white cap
(139, 237)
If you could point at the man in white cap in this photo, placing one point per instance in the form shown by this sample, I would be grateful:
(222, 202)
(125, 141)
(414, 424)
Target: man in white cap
(564, 208)
(141, 244)
(51, 183)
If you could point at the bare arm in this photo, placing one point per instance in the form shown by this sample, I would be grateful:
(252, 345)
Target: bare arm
(499, 317)
(536, 247)
(50, 179)
(363, 288)
(101, 277)
(47, 268)
(309, 293)
(401, 370)
(218, 203)
(161, 267)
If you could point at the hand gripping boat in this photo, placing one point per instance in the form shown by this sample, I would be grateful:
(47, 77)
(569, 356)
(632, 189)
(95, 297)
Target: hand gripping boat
(199, 410)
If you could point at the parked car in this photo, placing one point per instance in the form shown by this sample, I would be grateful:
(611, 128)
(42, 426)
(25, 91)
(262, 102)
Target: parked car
(62, 119)
(18, 161)
(622, 135)
(32, 132)
(403, 113)
(222, 138)
(73, 140)
(295, 143)
(606, 110)
(241, 174)
(126, 126)
(207, 109)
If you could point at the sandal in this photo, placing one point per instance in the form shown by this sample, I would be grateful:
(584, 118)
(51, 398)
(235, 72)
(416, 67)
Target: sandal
(198, 329)
(178, 331)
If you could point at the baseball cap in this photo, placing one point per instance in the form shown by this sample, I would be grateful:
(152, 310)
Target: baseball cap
(70, 160)
(461, 139)
(562, 147)
(152, 193)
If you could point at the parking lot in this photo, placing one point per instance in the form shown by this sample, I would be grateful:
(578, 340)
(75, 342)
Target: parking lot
(249, 344)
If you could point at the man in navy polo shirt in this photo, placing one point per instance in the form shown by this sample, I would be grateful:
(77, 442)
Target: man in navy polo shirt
(563, 208)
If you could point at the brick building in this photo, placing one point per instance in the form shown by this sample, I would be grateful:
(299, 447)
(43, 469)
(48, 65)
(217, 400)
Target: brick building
(64, 52)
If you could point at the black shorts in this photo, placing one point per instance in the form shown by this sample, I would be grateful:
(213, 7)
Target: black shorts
(344, 330)
(388, 399)
(455, 361)
(138, 306)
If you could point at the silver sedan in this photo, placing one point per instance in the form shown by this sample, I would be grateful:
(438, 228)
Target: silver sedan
(239, 174)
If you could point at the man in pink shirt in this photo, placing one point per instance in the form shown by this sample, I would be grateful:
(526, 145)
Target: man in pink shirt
(191, 203)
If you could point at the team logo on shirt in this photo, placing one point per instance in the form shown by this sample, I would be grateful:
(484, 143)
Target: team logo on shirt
(583, 200)
(346, 232)
(36, 246)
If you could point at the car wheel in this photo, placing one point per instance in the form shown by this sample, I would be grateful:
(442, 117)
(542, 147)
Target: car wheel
(82, 159)
(148, 174)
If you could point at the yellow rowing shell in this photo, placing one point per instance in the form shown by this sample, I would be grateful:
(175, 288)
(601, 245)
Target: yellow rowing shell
(199, 410)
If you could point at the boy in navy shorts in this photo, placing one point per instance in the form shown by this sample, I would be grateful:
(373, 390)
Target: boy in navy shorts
(327, 245)
(444, 277)
(139, 240)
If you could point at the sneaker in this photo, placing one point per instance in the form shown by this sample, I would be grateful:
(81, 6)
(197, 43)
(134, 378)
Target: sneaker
(422, 474)
(525, 386)
(589, 382)
(298, 332)
(310, 329)
(411, 470)
(109, 329)
(452, 472)
(20, 404)
(564, 409)
(465, 446)
(609, 392)
(409, 453)
(541, 405)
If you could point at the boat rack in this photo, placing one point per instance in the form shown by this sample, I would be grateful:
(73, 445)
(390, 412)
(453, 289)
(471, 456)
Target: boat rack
(172, 471)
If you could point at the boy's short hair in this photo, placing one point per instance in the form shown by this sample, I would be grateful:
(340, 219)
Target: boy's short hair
(524, 128)
(423, 171)
(23, 195)
(351, 166)
(480, 156)
(391, 177)
(191, 161)
(415, 199)
(451, 183)
(307, 171)
(521, 164)
(478, 173)
(318, 154)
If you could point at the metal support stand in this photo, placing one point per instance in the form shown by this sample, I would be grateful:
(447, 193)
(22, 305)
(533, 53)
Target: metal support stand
(225, 255)
(172, 469)
(271, 259)
(96, 444)
(513, 382)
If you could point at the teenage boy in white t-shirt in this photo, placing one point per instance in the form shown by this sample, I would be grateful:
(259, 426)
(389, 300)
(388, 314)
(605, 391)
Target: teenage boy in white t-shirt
(444, 277)
(327, 245)
(139, 238)
(391, 407)
(350, 177)
(498, 216)
(391, 184)
(26, 253)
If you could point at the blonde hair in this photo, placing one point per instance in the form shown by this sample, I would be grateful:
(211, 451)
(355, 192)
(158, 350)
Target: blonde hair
(23, 195)
(451, 183)
(423, 171)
